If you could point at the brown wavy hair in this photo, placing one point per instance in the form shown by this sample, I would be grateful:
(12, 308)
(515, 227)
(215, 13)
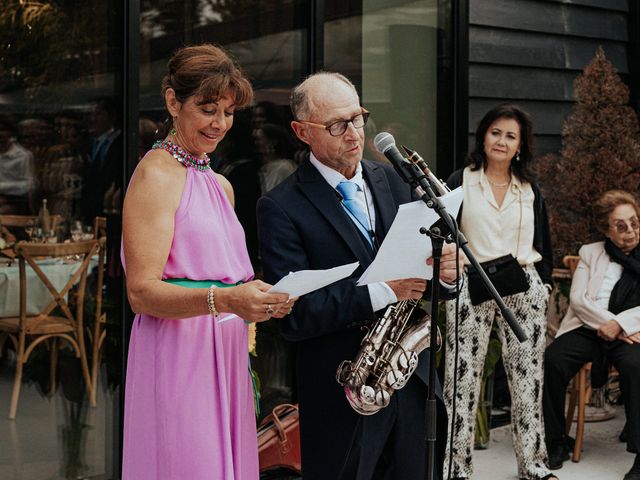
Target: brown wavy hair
(522, 168)
(206, 72)
(607, 203)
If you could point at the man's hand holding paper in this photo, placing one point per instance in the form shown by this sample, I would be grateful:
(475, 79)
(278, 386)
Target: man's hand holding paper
(405, 252)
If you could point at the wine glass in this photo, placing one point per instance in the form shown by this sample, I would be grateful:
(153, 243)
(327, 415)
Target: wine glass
(29, 229)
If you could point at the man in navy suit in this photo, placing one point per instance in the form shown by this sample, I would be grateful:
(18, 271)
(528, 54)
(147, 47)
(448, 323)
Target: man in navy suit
(307, 223)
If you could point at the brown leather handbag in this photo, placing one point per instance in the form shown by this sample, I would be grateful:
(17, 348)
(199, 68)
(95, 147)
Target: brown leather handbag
(279, 439)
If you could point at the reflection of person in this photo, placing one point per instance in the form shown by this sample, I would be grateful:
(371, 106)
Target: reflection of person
(104, 170)
(16, 172)
(61, 172)
(603, 319)
(502, 213)
(239, 165)
(276, 149)
(303, 224)
(189, 409)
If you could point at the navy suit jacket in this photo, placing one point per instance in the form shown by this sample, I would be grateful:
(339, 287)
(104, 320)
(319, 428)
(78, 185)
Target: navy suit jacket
(302, 225)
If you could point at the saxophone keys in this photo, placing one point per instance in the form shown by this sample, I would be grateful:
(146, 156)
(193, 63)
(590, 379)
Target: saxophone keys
(382, 398)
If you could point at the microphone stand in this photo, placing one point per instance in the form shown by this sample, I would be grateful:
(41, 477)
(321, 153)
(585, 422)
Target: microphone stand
(437, 241)
(419, 181)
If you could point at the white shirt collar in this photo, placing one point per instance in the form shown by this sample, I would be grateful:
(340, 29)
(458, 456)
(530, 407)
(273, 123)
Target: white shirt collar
(334, 177)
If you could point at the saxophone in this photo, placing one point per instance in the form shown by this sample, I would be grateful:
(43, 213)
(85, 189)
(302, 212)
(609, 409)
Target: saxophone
(388, 353)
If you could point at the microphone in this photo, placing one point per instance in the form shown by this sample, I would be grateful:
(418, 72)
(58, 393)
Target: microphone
(386, 145)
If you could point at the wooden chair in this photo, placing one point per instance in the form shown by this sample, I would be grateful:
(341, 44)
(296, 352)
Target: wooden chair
(28, 331)
(580, 390)
(100, 227)
(98, 332)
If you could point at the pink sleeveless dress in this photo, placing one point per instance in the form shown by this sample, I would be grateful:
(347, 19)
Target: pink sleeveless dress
(189, 411)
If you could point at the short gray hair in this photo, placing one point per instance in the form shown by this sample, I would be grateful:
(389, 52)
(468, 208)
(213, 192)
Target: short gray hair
(299, 100)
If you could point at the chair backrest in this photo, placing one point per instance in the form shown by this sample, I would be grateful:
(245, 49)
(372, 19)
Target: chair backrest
(29, 252)
(571, 262)
(100, 227)
(23, 221)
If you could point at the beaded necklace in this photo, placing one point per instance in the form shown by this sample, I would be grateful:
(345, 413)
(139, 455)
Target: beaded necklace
(184, 157)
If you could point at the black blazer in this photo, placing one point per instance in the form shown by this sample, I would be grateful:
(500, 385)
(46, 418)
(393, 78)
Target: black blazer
(301, 225)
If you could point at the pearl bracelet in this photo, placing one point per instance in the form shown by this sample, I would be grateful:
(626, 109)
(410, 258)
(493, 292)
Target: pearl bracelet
(211, 301)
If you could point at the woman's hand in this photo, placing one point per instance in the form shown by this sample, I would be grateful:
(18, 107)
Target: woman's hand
(610, 330)
(251, 301)
(630, 339)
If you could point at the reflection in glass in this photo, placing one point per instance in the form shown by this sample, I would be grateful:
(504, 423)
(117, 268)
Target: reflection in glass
(59, 59)
(388, 49)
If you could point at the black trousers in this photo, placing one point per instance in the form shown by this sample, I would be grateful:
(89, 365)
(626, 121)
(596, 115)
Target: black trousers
(564, 358)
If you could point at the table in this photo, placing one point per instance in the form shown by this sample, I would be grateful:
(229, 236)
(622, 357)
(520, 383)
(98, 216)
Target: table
(57, 270)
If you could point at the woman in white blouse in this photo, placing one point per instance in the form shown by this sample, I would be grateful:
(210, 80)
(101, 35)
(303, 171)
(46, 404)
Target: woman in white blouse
(603, 319)
(504, 219)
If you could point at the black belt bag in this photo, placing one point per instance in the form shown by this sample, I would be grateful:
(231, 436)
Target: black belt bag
(505, 273)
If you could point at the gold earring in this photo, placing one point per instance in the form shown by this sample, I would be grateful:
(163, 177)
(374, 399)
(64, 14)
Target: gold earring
(173, 131)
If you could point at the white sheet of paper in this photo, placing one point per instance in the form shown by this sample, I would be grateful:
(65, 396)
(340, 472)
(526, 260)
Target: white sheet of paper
(302, 282)
(405, 250)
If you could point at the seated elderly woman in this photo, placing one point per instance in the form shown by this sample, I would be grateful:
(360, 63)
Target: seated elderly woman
(603, 319)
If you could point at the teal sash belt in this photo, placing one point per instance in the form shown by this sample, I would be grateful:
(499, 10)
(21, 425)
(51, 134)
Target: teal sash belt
(186, 282)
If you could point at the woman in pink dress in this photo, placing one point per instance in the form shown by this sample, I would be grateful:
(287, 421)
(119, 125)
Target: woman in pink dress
(189, 410)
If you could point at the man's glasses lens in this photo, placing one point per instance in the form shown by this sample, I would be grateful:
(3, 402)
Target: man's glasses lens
(338, 128)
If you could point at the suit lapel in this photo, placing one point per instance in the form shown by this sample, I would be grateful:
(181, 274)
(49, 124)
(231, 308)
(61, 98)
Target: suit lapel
(326, 200)
(383, 199)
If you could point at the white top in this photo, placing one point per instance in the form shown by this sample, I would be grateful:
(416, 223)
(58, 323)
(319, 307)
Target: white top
(16, 171)
(611, 277)
(494, 231)
(586, 285)
(274, 172)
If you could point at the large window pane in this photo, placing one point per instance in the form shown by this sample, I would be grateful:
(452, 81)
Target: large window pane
(60, 146)
(388, 49)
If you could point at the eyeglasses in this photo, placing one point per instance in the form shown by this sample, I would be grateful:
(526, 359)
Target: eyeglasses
(338, 128)
(622, 226)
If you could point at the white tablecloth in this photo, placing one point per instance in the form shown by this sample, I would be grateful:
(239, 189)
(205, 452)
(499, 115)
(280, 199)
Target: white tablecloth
(38, 296)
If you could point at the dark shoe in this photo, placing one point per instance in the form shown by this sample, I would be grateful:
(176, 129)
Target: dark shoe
(558, 453)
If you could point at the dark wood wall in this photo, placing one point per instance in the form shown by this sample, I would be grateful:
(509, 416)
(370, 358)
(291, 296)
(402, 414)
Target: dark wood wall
(530, 51)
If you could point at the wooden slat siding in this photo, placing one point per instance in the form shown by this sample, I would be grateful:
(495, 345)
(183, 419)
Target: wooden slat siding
(547, 17)
(509, 47)
(620, 5)
(529, 52)
(520, 83)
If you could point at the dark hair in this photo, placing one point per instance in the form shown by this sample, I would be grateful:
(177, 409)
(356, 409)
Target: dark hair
(281, 140)
(607, 203)
(8, 125)
(208, 72)
(520, 168)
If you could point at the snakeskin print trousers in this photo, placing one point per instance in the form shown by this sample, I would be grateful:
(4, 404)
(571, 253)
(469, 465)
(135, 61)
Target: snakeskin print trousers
(524, 367)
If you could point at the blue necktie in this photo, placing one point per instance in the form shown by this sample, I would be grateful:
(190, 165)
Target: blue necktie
(354, 206)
